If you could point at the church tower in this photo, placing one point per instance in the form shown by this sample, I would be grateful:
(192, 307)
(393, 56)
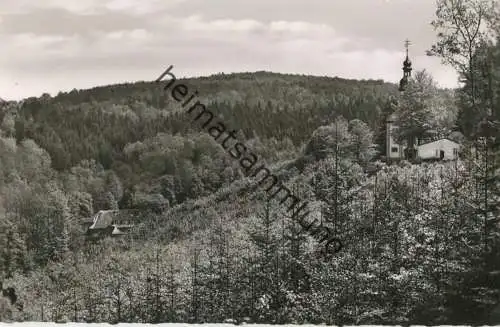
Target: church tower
(396, 151)
(406, 69)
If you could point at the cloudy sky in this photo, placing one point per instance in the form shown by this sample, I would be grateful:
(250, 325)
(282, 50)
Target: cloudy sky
(57, 45)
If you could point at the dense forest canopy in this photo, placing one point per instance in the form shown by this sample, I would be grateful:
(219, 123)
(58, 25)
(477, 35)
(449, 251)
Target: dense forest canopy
(421, 241)
(128, 128)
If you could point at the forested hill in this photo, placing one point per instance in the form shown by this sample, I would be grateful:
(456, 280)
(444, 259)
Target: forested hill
(99, 122)
(128, 129)
(420, 239)
(214, 247)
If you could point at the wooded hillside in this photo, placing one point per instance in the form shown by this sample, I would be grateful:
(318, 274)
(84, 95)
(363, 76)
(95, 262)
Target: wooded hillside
(421, 241)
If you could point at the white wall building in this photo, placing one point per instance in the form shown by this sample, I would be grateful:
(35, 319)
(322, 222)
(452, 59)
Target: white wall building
(443, 149)
(394, 150)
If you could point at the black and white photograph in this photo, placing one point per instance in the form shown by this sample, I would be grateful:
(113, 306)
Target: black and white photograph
(249, 162)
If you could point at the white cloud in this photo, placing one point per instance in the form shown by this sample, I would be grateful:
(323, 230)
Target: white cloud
(105, 49)
(26, 50)
(33, 41)
(300, 27)
(197, 24)
(134, 35)
(87, 7)
(141, 7)
(75, 6)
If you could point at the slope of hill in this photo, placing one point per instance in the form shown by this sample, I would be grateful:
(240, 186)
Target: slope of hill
(278, 112)
(222, 250)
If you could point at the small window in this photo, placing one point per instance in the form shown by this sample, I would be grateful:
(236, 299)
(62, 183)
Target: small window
(394, 149)
(455, 152)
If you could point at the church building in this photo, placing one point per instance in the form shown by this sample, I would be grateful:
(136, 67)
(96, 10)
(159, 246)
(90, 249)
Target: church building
(438, 149)
(394, 150)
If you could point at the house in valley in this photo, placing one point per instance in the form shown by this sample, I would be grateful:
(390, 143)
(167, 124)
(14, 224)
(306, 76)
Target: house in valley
(111, 222)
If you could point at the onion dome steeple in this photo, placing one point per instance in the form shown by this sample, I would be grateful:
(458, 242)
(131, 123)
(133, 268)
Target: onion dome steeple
(406, 69)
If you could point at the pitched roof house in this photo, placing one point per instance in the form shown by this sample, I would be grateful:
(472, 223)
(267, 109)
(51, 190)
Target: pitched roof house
(112, 222)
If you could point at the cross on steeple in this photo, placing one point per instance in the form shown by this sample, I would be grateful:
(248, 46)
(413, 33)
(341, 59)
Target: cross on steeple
(407, 44)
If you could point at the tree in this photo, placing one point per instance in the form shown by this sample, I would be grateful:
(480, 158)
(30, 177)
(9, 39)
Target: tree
(362, 141)
(265, 240)
(12, 249)
(463, 26)
(7, 125)
(326, 140)
(115, 285)
(6, 309)
(114, 185)
(417, 109)
(80, 204)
